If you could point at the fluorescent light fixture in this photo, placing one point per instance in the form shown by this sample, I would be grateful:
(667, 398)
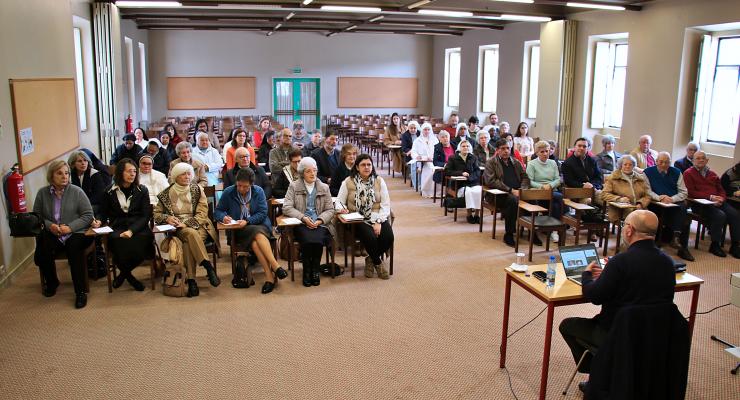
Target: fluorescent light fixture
(419, 4)
(331, 34)
(597, 6)
(352, 9)
(521, 18)
(443, 13)
(433, 33)
(289, 16)
(517, 1)
(148, 4)
(378, 18)
(270, 33)
(307, 2)
(277, 26)
(351, 27)
(467, 27)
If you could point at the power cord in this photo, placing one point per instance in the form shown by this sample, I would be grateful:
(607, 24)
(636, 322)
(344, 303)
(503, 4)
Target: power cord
(528, 322)
(707, 312)
(508, 374)
(511, 387)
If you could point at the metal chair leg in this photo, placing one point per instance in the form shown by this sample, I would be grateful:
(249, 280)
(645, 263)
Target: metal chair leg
(575, 371)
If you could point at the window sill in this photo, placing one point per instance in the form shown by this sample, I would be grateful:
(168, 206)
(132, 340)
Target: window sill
(616, 132)
(718, 150)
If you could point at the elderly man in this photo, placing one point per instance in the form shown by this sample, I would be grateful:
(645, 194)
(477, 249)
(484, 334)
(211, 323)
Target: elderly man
(287, 175)
(327, 158)
(644, 155)
(607, 159)
(209, 156)
(279, 155)
(702, 183)
(314, 144)
(641, 275)
(301, 138)
(505, 173)
(128, 149)
(687, 161)
(580, 170)
(185, 154)
(243, 161)
(667, 187)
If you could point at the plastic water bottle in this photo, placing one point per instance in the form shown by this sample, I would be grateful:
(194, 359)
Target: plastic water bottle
(551, 268)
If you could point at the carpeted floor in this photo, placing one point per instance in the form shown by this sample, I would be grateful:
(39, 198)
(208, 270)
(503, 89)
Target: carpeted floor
(430, 332)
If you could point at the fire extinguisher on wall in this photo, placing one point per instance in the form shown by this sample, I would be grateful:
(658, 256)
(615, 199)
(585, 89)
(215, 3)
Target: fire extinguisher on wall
(14, 191)
(129, 124)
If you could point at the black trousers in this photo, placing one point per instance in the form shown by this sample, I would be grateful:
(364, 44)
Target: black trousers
(48, 245)
(585, 329)
(718, 217)
(375, 246)
(675, 219)
(510, 208)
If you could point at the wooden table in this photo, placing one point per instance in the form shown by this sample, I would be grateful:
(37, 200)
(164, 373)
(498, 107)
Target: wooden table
(441, 171)
(663, 207)
(392, 148)
(566, 293)
(622, 208)
(281, 223)
(275, 207)
(495, 193)
(457, 179)
(349, 239)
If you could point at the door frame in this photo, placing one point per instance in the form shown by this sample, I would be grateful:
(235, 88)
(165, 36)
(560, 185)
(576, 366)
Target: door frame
(297, 97)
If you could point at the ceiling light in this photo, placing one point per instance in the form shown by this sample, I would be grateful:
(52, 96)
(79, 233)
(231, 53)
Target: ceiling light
(517, 1)
(378, 18)
(352, 9)
(148, 4)
(418, 4)
(402, 24)
(443, 13)
(597, 6)
(467, 27)
(270, 33)
(289, 16)
(307, 2)
(331, 34)
(277, 26)
(433, 33)
(351, 27)
(521, 18)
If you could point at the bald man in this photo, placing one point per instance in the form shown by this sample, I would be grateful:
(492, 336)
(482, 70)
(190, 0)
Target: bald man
(644, 155)
(641, 275)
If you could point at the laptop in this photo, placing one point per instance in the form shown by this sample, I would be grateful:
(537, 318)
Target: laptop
(575, 259)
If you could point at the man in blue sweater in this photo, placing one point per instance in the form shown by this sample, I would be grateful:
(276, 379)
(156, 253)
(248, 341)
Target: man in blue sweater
(667, 187)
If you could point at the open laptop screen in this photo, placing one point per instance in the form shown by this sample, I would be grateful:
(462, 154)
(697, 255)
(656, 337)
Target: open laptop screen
(576, 258)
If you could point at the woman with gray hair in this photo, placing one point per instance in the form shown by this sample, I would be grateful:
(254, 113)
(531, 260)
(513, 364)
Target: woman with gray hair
(89, 179)
(608, 158)
(309, 200)
(442, 153)
(185, 155)
(484, 150)
(543, 173)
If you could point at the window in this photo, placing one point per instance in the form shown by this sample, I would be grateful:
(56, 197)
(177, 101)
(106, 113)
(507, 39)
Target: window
(718, 91)
(610, 73)
(532, 78)
(142, 73)
(488, 77)
(79, 80)
(131, 85)
(452, 77)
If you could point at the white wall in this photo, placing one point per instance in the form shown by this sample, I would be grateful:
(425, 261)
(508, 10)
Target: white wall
(511, 55)
(214, 53)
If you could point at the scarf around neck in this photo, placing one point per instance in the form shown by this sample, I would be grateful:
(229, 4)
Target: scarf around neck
(364, 195)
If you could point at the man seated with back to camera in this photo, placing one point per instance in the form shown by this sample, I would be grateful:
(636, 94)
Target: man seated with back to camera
(639, 276)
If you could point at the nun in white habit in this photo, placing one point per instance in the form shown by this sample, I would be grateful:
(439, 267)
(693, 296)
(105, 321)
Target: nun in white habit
(423, 150)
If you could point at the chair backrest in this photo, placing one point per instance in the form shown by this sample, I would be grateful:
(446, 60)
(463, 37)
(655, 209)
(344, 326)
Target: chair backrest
(578, 193)
(535, 194)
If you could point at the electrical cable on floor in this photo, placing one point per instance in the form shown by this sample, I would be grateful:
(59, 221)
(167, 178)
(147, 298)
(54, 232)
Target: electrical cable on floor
(707, 312)
(529, 322)
(511, 387)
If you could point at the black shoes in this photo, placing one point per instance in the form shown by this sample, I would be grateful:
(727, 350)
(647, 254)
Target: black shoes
(212, 277)
(50, 290)
(471, 219)
(267, 287)
(735, 250)
(582, 386)
(536, 241)
(675, 240)
(80, 300)
(316, 276)
(281, 273)
(193, 290)
(716, 249)
(509, 239)
(684, 253)
(138, 286)
(118, 281)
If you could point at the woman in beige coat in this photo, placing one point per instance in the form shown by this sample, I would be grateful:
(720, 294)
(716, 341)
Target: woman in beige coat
(309, 200)
(625, 185)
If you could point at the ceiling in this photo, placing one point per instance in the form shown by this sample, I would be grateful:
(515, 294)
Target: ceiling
(400, 16)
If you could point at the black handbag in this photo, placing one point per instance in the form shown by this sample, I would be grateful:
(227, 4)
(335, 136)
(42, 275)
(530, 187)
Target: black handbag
(28, 224)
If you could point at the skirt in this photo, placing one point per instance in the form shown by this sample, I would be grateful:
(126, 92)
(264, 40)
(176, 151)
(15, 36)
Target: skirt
(320, 235)
(244, 237)
(132, 251)
(472, 196)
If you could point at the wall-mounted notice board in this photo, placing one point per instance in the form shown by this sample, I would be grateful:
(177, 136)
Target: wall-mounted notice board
(45, 119)
(210, 93)
(377, 92)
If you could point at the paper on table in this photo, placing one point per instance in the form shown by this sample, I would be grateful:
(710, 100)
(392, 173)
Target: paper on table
(233, 222)
(102, 229)
(280, 201)
(165, 228)
(705, 201)
(291, 221)
(352, 216)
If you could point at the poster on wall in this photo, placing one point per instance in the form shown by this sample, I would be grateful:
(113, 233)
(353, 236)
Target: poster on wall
(26, 141)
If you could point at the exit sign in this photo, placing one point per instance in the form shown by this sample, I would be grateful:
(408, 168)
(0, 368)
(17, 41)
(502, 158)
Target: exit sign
(297, 70)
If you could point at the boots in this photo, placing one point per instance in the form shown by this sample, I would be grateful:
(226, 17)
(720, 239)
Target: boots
(307, 272)
(212, 277)
(735, 249)
(382, 270)
(368, 267)
(716, 249)
(193, 290)
(316, 273)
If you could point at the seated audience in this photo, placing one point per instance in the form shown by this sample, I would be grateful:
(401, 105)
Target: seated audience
(140, 137)
(243, 162)
(607, 159)
(407, 142)
(442, 153)
(284, 177)
(504, 127)
(667, 186)
(202, 126)
(159, 154)
(452, 124)
(731, 181)
(626, 185)
(580, 170)
(543, 174)
(423, 150)
(127, 210)
(327, 158)
(246, 204)
(485, 149)
(83, 175)
(366, 193)
(154, 181)
(347, 157)
(184, 155)
(688, 160)
(301, 139)
(128, 149)
(506, 173)
(258, 135)
(239, 139)
(279, 155)
(209, 156)
(493, 122)
(703, 183)
(97, 164)
(522, 142)
(166, 139)
(263, 155)
(66, 214)
(514, 152)
(643, 154)
(473, 127)
(392, 136)
(462, 134)
(314, 144)
(184, 206)
(465, 164)
(309, 200)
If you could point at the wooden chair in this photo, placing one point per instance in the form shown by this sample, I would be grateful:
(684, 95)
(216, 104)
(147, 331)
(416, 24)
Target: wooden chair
(701, 224)
(537, 223)
(493, 207)
(571, 195)
(155, 258)
(451, 193)
(62, 255)
(351, 251)
(212, 244)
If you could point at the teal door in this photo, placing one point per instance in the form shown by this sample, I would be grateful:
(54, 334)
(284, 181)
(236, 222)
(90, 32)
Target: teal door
(297, 98)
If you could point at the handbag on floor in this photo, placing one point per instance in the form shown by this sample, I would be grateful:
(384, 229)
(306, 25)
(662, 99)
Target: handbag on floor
(284, 245)
(173, 282)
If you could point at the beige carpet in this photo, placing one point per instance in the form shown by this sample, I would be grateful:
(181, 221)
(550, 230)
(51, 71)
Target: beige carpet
(431, 332)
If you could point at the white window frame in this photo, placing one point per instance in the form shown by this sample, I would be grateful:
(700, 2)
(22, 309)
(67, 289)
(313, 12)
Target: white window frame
(530, 79)
(705, 82)
(448, 56)
(80, 78)
(488, 83)
(142, 74)
(602, 91)
(131, 84)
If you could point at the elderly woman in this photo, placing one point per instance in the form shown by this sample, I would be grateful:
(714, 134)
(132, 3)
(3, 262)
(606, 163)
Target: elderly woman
(185, 156)
(392, 137)
(407, 142)
(543, 173)
(607, 159)
(209, 156)
(246, 205)
(484, 150)
(309, 200)
(423, 150)
(154, 181)
(127, 210)
(504, 127)
(184, 206)
(366, 193)
(92, 181)
(522, 142)
(238, 139)
(625, 185)
(442, 153)
(66, 213)
(347, 157)
(465, 164)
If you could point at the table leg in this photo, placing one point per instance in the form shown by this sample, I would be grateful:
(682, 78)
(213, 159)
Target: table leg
(546, 352)
(505, 329)
(352, 230)
(692, 313)
(291, 264)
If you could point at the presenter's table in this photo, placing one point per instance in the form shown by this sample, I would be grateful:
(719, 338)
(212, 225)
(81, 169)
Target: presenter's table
(566, 293)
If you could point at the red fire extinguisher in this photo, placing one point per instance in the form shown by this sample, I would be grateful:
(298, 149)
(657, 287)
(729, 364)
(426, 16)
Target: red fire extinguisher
(14, 191)
(129, 124)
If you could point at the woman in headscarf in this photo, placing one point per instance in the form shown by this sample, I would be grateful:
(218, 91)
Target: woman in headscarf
(460, 135)
(392, 136)
(423, 150)
(184, 206)
(465, 164)
(407, 142)
(91, 181)
(154, 181)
